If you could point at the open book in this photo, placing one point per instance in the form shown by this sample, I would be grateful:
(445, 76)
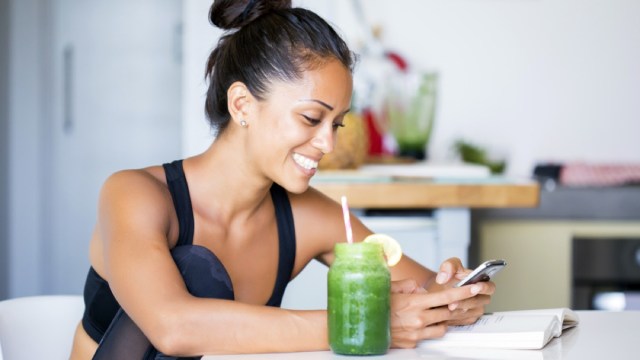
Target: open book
(526, 329)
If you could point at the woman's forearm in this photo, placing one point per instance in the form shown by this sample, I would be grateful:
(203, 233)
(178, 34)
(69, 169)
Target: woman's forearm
(229, 327)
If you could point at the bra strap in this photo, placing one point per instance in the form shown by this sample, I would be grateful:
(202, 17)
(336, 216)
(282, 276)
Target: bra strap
(177, 183)
(287, 242)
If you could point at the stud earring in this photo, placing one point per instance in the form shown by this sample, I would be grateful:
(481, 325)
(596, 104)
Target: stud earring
(243, 123)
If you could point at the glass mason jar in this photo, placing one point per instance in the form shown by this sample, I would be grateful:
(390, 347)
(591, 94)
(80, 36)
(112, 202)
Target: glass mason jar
(359, 285)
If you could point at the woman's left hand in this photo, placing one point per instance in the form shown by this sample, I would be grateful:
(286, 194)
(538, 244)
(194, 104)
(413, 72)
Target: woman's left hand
(469, 310)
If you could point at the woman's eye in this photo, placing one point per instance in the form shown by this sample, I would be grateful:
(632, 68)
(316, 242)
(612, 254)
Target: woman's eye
(311, 120)
(337, 125)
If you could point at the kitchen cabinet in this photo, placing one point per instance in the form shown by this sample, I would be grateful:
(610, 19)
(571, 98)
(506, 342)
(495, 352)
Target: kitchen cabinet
(537, 242)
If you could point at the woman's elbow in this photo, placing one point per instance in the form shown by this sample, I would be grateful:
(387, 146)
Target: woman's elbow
(167, 338)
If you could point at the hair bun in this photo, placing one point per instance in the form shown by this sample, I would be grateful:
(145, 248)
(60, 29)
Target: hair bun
(234, 14)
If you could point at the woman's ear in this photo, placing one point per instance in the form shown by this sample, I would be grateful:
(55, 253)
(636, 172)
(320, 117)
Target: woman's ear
(238, 101)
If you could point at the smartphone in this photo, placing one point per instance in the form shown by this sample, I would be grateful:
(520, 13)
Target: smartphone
(484, 272)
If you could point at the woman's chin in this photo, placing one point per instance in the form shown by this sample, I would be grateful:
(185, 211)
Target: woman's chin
(297, 187)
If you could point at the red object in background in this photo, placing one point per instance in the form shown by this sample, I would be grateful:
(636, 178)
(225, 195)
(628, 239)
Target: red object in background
(376, 135)
(398, 60)
(375, 138)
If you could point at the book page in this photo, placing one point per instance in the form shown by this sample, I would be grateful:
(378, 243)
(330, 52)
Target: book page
(567, 317)
(506, 323)
(500, 332)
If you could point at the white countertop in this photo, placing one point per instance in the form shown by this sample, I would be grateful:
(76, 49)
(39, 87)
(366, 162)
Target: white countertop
(600, 335)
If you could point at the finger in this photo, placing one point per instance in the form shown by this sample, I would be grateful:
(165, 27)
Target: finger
(409, 339)
(466, 315)
(486, 287)
(435, 316)
(445, 297)
(478, 301)
(471, 309)
(420, 319)
(433, 331)
(453, 306)
(464, 321)
(462, 273)
(420, 290)
(447, 269)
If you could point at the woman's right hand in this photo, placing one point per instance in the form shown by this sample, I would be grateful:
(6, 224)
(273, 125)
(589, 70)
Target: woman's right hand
(417, 314)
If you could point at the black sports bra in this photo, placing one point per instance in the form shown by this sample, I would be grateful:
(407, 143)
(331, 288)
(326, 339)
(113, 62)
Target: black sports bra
(100, 304)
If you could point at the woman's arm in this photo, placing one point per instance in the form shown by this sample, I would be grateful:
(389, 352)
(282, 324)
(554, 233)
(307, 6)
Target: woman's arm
(423, 302)
(135, 225)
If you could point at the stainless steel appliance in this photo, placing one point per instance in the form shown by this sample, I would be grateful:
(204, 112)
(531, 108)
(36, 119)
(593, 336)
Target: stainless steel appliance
(606, 273)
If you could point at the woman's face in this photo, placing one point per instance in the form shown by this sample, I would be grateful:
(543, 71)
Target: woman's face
(298, 123)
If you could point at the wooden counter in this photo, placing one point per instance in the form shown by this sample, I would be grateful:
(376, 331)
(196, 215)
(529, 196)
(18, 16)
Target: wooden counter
(411, 192)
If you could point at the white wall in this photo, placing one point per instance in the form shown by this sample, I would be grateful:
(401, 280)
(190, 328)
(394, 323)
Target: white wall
(28, 251)
(543, 79)
(200, 38)
(537, 79)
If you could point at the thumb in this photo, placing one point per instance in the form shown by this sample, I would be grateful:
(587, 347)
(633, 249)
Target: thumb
(448, 269)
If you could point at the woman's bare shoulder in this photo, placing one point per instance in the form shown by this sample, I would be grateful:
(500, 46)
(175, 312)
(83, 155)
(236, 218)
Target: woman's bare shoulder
(151, 178)
(134, 192)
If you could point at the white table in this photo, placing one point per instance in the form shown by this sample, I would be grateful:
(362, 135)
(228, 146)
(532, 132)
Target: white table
(600, 335)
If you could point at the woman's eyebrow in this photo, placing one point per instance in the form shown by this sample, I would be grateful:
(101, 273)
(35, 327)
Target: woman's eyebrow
(319, 102)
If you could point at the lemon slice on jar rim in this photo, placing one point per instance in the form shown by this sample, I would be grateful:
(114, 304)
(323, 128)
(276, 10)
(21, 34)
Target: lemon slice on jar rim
(390, 247)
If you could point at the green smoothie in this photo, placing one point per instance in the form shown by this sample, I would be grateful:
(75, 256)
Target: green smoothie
(359, 299)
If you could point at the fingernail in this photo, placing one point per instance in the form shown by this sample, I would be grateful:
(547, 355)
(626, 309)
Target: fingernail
(453, 306)
(475, 289)
(441, 278)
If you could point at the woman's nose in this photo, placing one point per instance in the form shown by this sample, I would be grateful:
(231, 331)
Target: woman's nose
(324, 139)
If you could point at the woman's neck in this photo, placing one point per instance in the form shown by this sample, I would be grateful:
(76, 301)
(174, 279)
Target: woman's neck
(223, 183)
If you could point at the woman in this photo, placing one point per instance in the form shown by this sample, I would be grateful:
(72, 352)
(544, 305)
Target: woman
(192, 251)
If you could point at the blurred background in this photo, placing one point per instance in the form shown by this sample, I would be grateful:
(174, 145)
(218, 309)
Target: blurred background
(89, 87)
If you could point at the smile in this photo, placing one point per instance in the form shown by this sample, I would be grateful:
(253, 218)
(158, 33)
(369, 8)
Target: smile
(304, 161)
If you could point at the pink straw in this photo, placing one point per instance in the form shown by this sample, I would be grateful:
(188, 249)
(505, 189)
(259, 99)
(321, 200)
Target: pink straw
(347, 220)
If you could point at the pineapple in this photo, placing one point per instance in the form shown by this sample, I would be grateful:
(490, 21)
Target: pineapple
(351, 145)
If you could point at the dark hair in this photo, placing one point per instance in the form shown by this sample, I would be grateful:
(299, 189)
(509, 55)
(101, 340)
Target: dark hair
(266, 40)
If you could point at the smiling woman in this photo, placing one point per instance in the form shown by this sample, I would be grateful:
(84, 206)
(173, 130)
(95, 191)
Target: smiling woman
(186, 261)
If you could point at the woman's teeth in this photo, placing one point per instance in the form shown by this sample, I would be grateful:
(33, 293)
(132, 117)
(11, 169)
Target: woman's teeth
(305, 162)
